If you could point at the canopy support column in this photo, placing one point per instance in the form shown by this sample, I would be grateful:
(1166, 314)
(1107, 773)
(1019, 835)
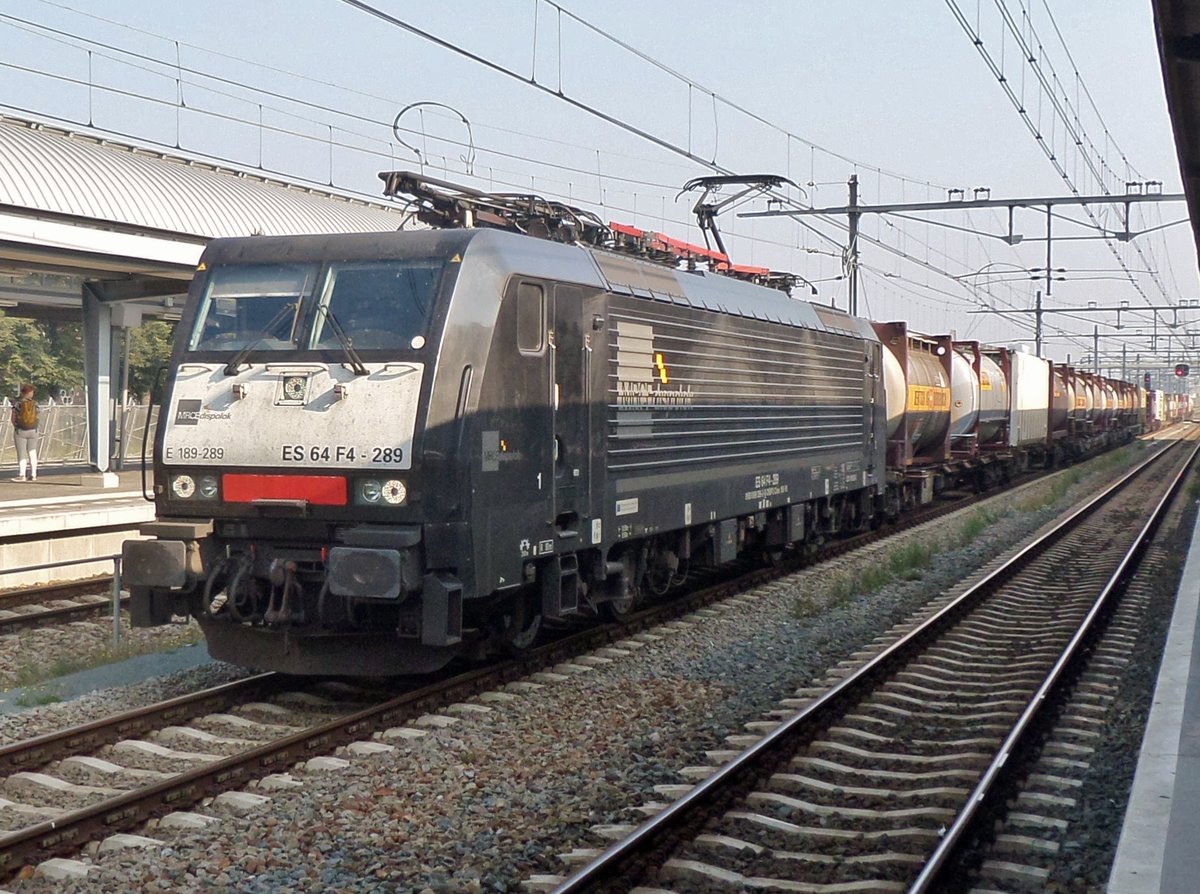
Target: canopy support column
(98, 372)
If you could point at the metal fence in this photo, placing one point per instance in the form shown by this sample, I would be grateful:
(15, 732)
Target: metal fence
(63, 434)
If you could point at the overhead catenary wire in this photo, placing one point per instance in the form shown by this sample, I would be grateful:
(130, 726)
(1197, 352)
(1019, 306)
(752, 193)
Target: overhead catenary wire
(171, 72)
(1059, 106)
(614, 120)
(1088, 93)
(173, 69)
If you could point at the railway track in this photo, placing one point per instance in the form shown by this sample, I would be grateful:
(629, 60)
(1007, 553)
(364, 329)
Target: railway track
(47, 605)
(41, 605)
(893, 778)
(1035, 844)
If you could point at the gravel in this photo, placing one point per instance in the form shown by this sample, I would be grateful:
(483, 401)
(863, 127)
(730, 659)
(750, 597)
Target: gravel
(484, 804)
(95, 705)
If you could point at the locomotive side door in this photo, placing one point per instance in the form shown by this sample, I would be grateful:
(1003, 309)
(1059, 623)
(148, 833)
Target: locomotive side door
(572, 462)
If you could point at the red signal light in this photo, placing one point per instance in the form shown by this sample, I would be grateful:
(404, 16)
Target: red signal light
(1181, 369)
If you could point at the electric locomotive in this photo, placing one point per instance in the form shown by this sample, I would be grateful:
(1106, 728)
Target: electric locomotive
(381, 451)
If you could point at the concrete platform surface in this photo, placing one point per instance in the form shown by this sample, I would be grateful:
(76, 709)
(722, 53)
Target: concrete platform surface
(54, 482)
(57, 502)
(65, 515)
(1159, 850)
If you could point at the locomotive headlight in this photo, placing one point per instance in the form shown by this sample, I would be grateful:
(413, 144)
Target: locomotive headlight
(206, 487)
(370, 491)
(394, 492)
(373, 492)
(183, 486)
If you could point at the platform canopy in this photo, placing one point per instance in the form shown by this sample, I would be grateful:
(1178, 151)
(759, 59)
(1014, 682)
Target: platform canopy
(1178, 25)
(74, 203)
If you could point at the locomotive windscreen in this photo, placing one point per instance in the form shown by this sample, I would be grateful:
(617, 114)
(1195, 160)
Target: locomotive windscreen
(242, 304)
(381, 305)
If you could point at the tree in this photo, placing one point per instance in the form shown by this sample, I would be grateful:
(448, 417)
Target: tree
(49, 355)
(149, 349)
(46, 354)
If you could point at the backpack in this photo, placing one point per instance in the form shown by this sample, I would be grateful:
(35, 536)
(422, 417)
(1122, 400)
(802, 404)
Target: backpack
(26, 414)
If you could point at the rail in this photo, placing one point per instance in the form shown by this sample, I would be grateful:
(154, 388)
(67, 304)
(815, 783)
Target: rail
(953, 838)
(66, 563)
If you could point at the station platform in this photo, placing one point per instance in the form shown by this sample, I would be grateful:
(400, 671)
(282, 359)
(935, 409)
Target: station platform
(66, 514)
(1159, 849)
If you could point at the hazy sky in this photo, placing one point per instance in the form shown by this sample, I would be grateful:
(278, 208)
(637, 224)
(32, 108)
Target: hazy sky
(812, 89)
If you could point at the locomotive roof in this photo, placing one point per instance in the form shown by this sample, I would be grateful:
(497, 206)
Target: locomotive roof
(335, 246)
(515, 253)
(725, 294)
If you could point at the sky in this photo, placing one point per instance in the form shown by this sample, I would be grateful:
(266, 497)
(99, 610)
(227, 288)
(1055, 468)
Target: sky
(613, 105)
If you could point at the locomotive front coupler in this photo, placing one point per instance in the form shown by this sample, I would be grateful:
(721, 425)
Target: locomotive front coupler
(282, 574)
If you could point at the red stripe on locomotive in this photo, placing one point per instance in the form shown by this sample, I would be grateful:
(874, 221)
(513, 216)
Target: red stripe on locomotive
(322, 490)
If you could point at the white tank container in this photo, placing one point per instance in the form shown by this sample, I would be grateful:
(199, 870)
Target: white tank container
(993, 399)
(964, 396)
(978, 403)
(1075, 399)
(908, 393)
(1110, 401)
(895, 392)
(926, 426)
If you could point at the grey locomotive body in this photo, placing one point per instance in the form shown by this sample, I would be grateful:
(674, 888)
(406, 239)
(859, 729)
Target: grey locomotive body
(381, 451)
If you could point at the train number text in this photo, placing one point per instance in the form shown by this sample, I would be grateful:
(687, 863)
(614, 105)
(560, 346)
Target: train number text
(387, 455)
(339, 453)
(195, 453)
(298, 453)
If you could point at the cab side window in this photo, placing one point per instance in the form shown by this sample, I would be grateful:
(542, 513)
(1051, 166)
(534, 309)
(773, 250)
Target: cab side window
(531, 318)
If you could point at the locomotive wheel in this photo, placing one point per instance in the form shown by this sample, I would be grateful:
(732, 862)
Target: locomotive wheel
(521, 624)
(616, 609)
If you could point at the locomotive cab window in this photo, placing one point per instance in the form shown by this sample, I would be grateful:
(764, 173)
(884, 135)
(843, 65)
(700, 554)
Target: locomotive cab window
(252, 305)
(531, 318)
(379, 304)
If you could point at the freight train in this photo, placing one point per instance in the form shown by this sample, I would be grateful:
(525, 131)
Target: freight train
(1167, 408)
(380, 452)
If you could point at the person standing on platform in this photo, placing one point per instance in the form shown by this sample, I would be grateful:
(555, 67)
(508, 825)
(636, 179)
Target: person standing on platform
(25, 421)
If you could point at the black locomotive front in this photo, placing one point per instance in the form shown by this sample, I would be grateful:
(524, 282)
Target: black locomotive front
(307, 514)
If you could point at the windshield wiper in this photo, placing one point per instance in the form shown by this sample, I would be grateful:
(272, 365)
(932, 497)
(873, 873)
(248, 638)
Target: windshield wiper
(356, 364)
(239, 358)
